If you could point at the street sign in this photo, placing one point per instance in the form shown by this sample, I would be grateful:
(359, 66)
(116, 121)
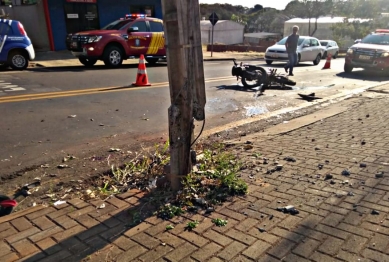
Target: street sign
(213, 18)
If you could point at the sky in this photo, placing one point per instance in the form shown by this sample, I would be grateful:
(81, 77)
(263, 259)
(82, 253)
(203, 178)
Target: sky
(278, 4)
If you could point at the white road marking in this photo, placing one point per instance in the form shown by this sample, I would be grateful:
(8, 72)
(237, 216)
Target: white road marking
(13, 89)
(9, 87)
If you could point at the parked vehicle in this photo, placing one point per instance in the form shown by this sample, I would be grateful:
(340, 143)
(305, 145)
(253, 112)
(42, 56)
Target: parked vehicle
(308, 49)
(372, 52)
(253, 76)
(129, 37)
(16, 49)
(330, 48)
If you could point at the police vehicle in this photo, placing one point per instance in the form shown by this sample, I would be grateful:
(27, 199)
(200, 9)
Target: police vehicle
(16, 49)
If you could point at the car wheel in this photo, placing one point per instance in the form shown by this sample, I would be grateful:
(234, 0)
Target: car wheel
(317, 60)
(298, 60)
(348, 68)
(269, 62)
(87, 61)
(113, 56)
(336, 55)
(18, 60)
(152, 61)
(324, 55)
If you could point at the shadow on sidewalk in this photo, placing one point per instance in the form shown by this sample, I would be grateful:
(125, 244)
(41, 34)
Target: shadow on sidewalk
(89, 233)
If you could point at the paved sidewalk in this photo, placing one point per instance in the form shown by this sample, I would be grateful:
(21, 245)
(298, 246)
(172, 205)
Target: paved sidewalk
(65, 58)
(334, 172)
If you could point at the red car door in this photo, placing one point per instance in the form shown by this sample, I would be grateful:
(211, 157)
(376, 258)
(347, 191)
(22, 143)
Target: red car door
(138, 38)
(157, 44)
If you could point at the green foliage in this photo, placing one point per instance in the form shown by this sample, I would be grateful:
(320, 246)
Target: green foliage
(169, 211)
(219, 222)
(192, 225)
(169, 227)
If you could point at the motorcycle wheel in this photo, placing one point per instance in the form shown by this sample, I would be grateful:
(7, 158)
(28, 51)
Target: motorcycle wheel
(261, 78)
(285, 81)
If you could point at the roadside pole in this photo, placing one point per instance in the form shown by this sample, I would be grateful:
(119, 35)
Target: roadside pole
(186, 80)
(213, 18)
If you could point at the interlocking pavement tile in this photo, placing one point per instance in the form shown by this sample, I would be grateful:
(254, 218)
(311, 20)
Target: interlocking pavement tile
(170, 239)
(4, 249)
(179, 253)
(331, 246)
(49, 246)
(23, 234)
(306, 248)
(24, 247)
(194, 239)
(232, 250)
(21, 224)
(354, 244)
(45, 233)
(282, 248)
(124, 243)
(218, 238)
(43, 222)
(146, 240)
(257, 249)
(294, 258)
(242, 237)
(155, 253)
(319, 257)
(379, 242)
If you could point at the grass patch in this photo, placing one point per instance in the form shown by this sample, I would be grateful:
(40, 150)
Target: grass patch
(213, 180)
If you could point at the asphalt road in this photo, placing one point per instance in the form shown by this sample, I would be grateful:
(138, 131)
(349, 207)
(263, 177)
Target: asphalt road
(51, 112)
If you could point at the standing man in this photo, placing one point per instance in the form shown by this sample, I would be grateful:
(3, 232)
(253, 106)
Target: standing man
(291, 49)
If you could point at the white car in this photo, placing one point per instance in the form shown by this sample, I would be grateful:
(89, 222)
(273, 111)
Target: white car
(331, 47)
(308, 49)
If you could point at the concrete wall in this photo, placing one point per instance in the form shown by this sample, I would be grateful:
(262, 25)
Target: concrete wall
(33, 19)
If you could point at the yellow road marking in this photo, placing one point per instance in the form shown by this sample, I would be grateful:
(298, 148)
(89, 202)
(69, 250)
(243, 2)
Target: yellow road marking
(91, 91)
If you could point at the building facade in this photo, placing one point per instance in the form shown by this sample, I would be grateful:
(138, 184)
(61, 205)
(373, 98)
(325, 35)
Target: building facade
(47, 22)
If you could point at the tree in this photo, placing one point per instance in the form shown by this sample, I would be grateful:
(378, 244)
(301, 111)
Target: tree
(264, 20)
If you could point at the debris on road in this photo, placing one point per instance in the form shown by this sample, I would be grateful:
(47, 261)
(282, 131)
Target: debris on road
(59, 202)
(309, 97)
(288, 209)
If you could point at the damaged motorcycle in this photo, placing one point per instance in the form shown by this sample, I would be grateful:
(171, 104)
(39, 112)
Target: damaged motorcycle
(254, 76)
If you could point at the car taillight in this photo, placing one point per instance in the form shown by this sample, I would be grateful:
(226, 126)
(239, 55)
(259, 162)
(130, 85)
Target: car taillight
(21, 29)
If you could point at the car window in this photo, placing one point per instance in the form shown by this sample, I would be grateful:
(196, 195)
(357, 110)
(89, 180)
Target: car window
(5, 29)
(314, 42)
(141, 26)
(117, 25)
(156, 26)
(323, 43)
(377, 39)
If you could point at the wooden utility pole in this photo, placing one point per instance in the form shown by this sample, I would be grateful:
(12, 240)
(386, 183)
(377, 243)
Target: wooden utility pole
(186, 79)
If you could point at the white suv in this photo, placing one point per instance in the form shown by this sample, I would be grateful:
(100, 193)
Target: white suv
(308, 49)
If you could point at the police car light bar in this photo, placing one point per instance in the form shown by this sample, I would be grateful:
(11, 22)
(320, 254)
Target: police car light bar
(128, 16)
(382, 31)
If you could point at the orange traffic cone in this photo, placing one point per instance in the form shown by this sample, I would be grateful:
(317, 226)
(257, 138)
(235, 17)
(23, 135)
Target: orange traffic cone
(141, 76)
(327, 65)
